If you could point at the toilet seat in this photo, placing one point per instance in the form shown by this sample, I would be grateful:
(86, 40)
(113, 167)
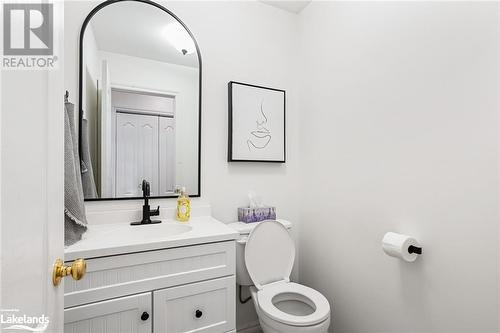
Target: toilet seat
(318, 302)
(269, 258)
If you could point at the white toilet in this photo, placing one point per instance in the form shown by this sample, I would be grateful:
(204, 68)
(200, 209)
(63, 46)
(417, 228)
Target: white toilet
(265, 260)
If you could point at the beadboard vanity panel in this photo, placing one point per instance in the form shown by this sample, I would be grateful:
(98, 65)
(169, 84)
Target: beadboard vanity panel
(206, 307)
(126, 314)
(113, 276)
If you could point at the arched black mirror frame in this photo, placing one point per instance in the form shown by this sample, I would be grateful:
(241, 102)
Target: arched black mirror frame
(80, 88)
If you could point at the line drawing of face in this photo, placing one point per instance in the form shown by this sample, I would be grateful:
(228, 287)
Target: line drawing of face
(261, 136)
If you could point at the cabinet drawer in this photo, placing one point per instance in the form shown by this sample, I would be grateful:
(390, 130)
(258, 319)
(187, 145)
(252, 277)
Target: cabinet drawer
(115, 276)
(117, 315)
(202, 307)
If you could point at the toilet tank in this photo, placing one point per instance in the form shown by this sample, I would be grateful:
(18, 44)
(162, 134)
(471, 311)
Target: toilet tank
(244, 229)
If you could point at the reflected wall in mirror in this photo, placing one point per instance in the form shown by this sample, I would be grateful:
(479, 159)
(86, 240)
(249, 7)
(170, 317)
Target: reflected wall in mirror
(140, 109)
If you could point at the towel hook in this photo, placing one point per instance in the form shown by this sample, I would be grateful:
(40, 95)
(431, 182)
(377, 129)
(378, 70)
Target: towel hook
(66, 97)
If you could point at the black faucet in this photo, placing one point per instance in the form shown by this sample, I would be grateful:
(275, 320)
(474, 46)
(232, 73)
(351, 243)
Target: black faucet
(146, 212)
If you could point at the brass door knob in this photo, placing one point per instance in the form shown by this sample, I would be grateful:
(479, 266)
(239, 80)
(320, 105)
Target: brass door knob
(76, 270)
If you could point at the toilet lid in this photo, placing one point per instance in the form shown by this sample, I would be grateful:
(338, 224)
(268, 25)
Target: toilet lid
(269, 253)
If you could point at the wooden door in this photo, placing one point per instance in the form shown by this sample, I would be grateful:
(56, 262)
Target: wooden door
(167, 156)
(136, 153)
(32, 190)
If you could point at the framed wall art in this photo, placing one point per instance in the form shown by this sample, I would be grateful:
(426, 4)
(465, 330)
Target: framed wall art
(256, 123)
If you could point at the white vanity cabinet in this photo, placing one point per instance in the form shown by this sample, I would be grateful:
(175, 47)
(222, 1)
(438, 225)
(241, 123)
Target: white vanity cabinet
(182, 289)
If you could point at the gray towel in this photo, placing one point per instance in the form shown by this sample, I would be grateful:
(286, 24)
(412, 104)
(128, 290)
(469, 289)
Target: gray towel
(75, 221)
(88, 183)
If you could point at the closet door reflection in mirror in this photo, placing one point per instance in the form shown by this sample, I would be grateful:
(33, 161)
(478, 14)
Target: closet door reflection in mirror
(140, 74)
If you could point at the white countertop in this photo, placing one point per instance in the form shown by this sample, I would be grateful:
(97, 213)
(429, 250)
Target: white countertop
(121, 238)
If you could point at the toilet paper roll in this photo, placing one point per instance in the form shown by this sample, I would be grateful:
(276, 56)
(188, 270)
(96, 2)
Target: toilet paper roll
(396, 245)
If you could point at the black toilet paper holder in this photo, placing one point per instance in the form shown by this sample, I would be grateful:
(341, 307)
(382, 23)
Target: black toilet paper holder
(414, 249)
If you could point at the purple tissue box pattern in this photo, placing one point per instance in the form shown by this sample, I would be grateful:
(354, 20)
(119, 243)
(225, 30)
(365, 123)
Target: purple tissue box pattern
(249, 215)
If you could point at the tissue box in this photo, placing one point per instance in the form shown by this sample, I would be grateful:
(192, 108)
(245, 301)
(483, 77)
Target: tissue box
(249, 215)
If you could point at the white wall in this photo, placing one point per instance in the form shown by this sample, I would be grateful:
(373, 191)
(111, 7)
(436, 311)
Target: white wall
(399, 132)
(242, 41)
(91, 79)
(134, 72)
(92, 69)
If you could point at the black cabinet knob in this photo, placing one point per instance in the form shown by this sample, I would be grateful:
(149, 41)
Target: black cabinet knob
(198, 314)
(145, 316)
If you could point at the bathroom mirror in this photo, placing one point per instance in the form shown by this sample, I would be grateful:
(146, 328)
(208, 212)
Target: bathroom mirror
(140, 102)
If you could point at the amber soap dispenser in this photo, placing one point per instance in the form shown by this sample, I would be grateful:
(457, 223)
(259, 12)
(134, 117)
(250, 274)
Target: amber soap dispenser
(183, 206)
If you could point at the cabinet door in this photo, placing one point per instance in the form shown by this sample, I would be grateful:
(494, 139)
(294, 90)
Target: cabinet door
(167, 156)
(117, 315)
(136, 153)
(207, 306)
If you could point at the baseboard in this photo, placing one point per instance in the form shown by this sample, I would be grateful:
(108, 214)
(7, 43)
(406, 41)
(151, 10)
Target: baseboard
(250, 328)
